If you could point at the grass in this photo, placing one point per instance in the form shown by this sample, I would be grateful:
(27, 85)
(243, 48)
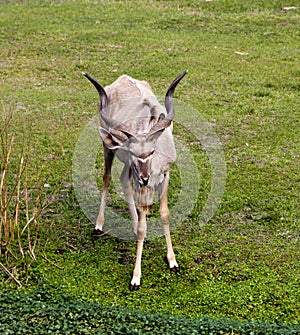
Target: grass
(243, 78)
(41, 313)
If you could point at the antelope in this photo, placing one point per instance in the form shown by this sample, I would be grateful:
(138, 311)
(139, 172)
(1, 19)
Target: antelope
(137, 129)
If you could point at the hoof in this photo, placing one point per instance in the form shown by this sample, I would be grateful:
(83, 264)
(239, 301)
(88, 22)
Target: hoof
(134, 287)
(175, 269)
(96, 233)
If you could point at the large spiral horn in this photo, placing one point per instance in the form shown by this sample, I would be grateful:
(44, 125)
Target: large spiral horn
(169, 95)
(103, 100)
(166, 121)
(113, 124)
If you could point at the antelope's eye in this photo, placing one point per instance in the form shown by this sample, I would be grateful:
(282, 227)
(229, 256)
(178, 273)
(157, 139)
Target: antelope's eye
(149, 154)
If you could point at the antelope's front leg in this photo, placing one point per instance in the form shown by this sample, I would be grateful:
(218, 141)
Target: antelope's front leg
(141, 233)
(108, 159)
(165, 217)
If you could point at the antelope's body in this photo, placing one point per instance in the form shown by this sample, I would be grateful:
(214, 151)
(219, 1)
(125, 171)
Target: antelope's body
(137, 129)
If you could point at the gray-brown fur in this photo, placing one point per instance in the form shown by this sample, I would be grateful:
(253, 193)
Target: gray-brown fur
(137, 129)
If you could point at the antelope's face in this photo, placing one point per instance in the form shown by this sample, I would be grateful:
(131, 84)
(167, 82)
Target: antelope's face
(137, 151)
(141, 151)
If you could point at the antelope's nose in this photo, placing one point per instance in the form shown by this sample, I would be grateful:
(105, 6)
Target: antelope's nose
(144, 181)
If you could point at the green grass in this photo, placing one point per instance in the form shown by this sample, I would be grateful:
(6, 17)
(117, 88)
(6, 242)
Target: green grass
(243, 61)
(41, 313)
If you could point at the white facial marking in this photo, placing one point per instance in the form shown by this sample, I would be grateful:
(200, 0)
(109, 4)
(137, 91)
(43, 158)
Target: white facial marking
(143, 160)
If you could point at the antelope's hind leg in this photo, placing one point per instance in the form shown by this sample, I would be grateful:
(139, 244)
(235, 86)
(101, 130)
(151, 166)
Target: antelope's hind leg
(126, 182)
(165, 217)
(108, 160)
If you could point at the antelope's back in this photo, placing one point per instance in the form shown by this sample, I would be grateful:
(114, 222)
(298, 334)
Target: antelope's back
(125, 88)
(133, 103)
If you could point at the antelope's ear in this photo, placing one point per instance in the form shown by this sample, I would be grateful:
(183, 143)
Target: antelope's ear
(162, 123)
(158, 128)
(152, 137)
(113, 139)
